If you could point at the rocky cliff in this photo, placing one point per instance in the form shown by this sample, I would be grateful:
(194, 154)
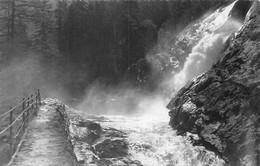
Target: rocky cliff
(222, 106)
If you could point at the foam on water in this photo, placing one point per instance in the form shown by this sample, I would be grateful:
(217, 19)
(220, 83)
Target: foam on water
(153, 142)
(205, 53)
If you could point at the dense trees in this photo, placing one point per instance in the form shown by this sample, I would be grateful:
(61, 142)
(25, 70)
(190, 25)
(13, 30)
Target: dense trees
(12, 28)
(79, 41)
(42, 17)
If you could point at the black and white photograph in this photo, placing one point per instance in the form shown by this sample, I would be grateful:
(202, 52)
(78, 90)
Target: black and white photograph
(129, 82)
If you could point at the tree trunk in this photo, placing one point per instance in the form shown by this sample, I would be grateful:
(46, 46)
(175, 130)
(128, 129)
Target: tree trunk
(12, 19)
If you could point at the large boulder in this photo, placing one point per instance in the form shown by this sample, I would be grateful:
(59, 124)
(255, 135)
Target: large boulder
(112, 148)
(222, 105)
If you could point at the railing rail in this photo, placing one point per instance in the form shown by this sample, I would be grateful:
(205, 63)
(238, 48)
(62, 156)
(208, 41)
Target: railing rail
(11, 109)
(28, 105)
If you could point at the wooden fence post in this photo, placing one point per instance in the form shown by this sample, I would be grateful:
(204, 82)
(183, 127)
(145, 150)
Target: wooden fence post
(11, 133)
(39, 97)
(36, 103)
(36, 99)
(28, 104)
(32, 102)
(23, 114)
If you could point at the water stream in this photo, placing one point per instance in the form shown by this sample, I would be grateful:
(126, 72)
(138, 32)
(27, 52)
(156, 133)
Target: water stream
(154, 143)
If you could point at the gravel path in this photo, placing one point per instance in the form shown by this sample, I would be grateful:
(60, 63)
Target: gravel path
(45, 142)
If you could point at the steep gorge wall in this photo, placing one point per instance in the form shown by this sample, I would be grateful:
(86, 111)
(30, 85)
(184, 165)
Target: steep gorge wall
(222, 105)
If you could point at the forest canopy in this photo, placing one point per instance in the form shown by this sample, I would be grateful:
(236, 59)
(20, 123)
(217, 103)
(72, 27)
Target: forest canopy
(70, 44)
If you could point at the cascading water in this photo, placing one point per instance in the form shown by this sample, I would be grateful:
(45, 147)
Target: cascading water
(203, 55)
(150, 139)
(153, 142)
(197, 47)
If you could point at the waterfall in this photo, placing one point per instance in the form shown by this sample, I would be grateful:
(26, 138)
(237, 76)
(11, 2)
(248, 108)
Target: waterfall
(205, 53)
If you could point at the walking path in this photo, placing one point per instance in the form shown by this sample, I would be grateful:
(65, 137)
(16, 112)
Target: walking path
(45, 142)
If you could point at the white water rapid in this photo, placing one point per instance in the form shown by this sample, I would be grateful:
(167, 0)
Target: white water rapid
(153, 142)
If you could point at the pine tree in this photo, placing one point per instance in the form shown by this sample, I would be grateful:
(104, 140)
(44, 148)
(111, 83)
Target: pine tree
(13, 27)
(43, 21)
(61, 13)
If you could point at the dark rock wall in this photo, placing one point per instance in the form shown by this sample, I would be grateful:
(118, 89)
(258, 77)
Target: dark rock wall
(222, 106)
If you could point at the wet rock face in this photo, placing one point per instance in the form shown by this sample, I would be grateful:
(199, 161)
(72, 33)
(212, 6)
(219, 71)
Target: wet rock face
(111, 148)
(222, 106)
(85, 131)
(240, 9)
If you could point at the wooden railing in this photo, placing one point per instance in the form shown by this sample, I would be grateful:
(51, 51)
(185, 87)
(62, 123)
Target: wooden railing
(29, 107)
